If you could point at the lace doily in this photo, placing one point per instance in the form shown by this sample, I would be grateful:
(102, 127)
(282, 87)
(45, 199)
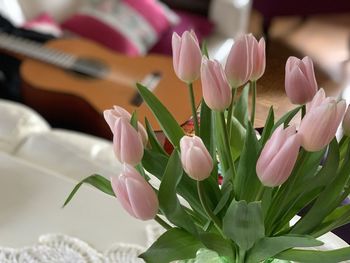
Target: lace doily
(59, 248)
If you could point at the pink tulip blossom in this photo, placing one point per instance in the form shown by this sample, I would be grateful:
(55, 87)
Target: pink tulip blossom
(258, 58)
(346, 122)
(238, 66)
(111, 115)
(300, 81)
(135, 195)
(278, 156)
(321, 121)
(127, 143)
(187, 56)
(195, 158)
(216, 89)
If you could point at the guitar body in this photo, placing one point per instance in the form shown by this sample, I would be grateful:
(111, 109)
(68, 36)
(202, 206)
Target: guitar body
(77, 101)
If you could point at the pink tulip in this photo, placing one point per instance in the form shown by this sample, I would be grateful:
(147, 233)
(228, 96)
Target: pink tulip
(195, 158)
(258, 58)
(278, 156)
(135, 194)
(111, 115)
(300, 81)
(321, 121)
(216, 89)
(238, 66)
(187, 56)
(346, 122)
(127, 143)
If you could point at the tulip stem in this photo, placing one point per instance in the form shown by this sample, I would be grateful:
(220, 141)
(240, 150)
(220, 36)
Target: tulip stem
(230, 111)
(162, 223)
(227, 143)
(193, 106)
(252, 118)
(211, 215)
(260, 193)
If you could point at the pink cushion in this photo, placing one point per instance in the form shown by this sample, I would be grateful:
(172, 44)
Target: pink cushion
(188, 21)
(128, 26)
(44, 23)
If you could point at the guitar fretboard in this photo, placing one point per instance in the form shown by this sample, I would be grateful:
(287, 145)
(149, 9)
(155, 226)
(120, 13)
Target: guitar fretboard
(37, 51)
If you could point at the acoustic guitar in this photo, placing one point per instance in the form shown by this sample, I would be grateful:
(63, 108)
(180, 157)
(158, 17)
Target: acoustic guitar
(72, 81)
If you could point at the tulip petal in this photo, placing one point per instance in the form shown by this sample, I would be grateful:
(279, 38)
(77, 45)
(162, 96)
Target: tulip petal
(190, 58)
(176, 47)
(142, 198)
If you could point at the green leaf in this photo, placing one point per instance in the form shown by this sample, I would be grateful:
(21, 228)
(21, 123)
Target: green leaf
(237, 138)
(244, 223)
(339, 217)
(268, 127)
(286, 118)
(312, 256)
(175, 244)
(156, 163)
(205, 49)
(206, 127)
(247, 184)
(168, 201)
(218, 244)
(152, 138)
(167, 122)
(96, 181)
(327, 201)
(241, 111)
(226, 194)
(268, 247)
(133, 120)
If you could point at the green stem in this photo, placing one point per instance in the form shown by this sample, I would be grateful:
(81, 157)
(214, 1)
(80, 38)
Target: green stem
(162, 223)
(241, 255)
(226, 143)
(252, 118)
(260, 193)
(194, 111)
(230, 111)
(214, 218)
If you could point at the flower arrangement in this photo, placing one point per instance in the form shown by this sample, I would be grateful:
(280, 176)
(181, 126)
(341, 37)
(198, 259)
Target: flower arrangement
(267, 179)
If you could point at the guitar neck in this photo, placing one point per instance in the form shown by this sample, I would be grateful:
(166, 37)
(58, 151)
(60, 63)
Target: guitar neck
(35, 50)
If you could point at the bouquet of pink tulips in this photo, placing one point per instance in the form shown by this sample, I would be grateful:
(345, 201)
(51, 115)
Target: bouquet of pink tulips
(268, 178)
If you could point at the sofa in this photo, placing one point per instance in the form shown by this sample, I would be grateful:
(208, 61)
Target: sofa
(39, 166)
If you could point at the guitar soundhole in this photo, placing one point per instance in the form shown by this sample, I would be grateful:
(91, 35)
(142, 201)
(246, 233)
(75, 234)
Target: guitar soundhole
(151, 81)
(89, 68)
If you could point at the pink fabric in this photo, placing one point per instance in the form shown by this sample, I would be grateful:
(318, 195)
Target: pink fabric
(200, 24)
(44, 23)
(92, 28)
(152, 12)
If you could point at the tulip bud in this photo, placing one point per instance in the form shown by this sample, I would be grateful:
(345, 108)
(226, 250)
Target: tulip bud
(135, 194)
(300, 81)
(112, 115)
(216, 90)
(127, 143)
(258, 58)
(187, 56)
(321, 121)
(346, 122)
(278, 156)
(195, 158)
(238, 66)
